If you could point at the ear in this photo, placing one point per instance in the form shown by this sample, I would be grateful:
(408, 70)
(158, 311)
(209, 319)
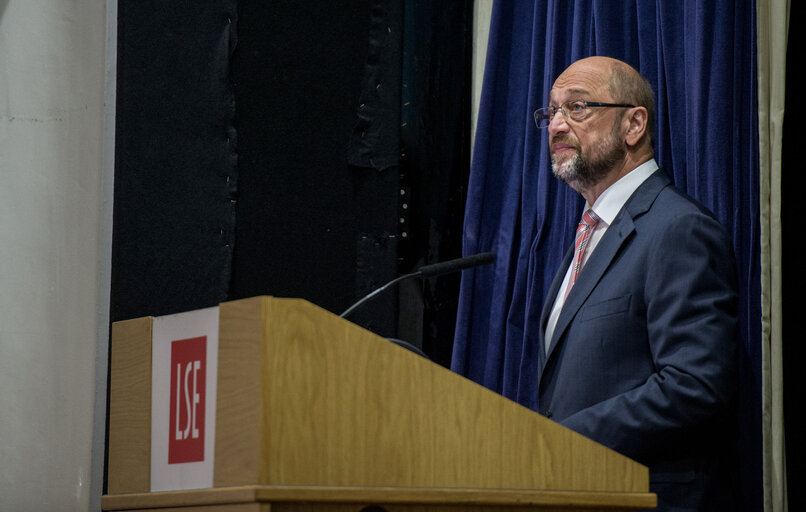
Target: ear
(636, 120)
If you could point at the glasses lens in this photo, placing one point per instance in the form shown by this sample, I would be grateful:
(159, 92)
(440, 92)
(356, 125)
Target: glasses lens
(543, 117)
(576, 110)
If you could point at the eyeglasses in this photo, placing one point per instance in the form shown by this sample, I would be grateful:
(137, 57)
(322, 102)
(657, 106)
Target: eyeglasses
(574, 110)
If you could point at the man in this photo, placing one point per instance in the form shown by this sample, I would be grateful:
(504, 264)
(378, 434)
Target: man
(640, 324)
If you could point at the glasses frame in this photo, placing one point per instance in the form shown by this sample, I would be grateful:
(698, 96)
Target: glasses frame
(547, 113)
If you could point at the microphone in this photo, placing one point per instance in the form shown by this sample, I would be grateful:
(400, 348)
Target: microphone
(428, 271)
(447, 267)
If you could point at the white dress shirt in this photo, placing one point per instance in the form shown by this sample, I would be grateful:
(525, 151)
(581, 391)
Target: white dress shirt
(607, 206)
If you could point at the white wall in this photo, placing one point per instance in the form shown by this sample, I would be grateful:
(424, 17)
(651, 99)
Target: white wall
(54, 239)
(482, 12)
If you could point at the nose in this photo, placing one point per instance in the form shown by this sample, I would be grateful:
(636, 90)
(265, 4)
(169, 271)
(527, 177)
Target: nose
(557, 123)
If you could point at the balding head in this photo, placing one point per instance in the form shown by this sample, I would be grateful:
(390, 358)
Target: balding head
(608, 133)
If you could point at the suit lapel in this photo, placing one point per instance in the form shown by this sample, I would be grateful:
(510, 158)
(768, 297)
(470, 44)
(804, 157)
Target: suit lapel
(554, 289)
(600, 260)
(596, 266)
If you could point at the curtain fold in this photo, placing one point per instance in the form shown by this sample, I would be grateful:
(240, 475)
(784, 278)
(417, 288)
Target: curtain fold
(700, 58)
(773, 15)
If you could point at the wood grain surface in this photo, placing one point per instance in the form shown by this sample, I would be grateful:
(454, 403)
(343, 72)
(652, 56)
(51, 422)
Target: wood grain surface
(129, 466)
(316, 413)
(338, 405)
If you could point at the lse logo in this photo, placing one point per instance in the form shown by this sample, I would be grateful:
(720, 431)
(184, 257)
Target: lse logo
(188, 385)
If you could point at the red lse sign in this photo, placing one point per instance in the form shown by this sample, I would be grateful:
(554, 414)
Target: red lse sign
(188, 372)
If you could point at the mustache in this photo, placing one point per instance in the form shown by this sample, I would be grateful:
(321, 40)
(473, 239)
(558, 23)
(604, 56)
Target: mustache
(562, 139)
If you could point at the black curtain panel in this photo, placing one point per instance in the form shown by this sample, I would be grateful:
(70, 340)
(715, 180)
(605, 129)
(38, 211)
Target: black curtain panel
(175, 163)
(791, 184)
(435, 162)
(296, 150)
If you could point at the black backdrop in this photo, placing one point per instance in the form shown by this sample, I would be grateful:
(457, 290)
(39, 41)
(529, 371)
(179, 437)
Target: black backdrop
(295, 149)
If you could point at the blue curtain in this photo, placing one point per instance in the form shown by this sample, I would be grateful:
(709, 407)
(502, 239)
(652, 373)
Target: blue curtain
(700, 58)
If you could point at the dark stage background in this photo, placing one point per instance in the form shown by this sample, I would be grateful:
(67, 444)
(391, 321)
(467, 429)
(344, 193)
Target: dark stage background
(294, 149)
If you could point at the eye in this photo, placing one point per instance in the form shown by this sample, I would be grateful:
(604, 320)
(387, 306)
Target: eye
(576, 106)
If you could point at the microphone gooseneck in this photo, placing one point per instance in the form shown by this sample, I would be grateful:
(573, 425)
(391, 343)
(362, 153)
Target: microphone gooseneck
(428, 271)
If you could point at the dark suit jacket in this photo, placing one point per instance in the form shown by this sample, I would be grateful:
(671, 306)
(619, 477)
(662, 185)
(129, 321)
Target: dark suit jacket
(644, 354)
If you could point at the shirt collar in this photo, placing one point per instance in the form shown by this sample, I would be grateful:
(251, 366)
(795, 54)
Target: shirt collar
(610, 202)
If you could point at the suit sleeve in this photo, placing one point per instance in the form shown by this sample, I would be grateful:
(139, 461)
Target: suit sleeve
(690, 293)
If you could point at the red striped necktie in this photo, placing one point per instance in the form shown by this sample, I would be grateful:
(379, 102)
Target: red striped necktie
(584, 231)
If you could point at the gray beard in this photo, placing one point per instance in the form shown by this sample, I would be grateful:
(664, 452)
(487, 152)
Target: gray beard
(583, 173)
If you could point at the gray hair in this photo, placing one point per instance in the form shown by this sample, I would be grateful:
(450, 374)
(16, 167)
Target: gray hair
(628, 86)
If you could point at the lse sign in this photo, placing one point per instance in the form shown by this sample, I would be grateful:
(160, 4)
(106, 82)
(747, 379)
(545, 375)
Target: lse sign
(184, 382)
(188, 390)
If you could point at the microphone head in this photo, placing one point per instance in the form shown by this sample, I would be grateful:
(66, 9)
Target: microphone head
(447, 267)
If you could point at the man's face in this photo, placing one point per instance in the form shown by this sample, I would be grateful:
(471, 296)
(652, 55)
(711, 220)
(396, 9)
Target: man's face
(582, 153)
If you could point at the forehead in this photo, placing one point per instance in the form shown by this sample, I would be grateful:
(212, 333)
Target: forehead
(581, 80)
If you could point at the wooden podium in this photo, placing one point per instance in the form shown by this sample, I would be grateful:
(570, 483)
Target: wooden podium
(316, 413)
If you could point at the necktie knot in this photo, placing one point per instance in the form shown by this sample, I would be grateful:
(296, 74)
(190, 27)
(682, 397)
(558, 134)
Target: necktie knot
(589, 218)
